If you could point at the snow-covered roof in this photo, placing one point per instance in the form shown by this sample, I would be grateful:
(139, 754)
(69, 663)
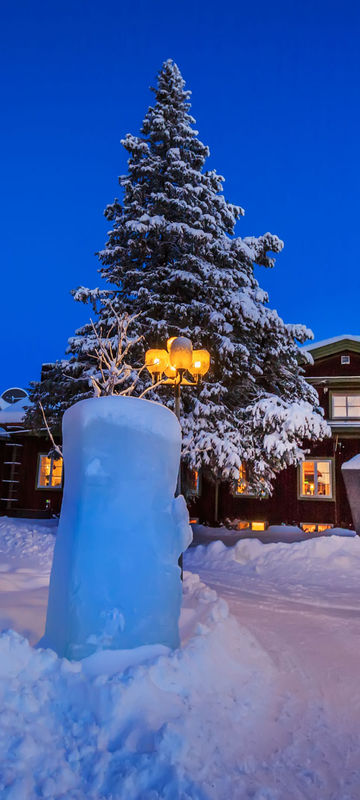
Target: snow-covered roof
(347, 341)
(354, 463)
(325, 342)
(14, 412)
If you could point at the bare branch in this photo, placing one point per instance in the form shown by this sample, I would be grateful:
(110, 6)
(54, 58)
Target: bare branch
(56, 447)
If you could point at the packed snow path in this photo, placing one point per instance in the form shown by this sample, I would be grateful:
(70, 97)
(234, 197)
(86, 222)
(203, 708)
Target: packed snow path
(302, 603)
(261, 704)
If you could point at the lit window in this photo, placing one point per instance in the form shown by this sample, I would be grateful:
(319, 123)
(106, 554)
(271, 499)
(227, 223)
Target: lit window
(323, 528)
(346, 406)
(308, 527)
(315, 527)
(243, 526)
(242, 485)
(191, 482)
(316, 478)
(50, 472)
(258, 526)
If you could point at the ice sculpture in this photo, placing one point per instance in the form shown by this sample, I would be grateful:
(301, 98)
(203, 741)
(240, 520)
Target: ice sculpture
(115, 580)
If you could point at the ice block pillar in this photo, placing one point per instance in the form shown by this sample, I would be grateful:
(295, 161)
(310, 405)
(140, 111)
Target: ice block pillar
(115, 580)
(351, 474)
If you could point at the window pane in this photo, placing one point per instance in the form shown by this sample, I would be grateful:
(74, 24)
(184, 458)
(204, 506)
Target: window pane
(57, 472)
(339, 405)
(316, 479)
(323, 479)
(346, 405)
(308, 478)
(242, 484)
(354, 405)
(308, 527)
(44, 471)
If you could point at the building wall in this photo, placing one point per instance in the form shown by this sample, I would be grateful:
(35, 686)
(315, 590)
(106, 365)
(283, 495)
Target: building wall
(285, 505)
(29, 498)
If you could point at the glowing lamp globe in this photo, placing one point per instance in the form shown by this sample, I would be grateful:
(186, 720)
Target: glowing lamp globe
(181, 353)
(171, 372)
(156, 361)
(200, 362)
(169, 342)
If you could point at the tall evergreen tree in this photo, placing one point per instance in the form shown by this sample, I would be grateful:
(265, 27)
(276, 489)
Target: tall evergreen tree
(172, 255)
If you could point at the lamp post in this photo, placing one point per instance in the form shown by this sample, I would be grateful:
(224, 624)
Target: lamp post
(178, 358)
(174, 362)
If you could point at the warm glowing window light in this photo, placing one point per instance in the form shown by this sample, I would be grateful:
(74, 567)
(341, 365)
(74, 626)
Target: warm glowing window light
(308, 527)
(315, 527)
(195, 481)
(316, 479)
(50, 472)
(242, 485)
(258, 526)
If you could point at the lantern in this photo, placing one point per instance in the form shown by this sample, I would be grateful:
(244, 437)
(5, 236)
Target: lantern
(200, 362)
(181, 353)
(169, 342)
(156, 361)
(171, 372)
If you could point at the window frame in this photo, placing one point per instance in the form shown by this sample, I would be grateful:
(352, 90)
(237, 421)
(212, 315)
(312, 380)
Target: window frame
(320, 497)
(345, 394)
(48, 488)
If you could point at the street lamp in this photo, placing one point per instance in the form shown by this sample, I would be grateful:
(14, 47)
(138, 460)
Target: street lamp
(178, 358)
(174, 362)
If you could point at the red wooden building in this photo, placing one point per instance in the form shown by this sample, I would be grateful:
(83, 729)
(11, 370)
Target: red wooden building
(313, 495)
(30, 481)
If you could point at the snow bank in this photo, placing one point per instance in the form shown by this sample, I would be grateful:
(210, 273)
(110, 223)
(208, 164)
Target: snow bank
(26, 549)
(204, 534)
(167, 727)
(26, 538)
(297, 572)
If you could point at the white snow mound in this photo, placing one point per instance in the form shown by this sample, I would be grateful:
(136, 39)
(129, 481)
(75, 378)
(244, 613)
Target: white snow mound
(134, 724)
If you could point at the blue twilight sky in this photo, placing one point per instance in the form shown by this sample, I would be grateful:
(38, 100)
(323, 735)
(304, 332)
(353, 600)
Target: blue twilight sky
(276, 97)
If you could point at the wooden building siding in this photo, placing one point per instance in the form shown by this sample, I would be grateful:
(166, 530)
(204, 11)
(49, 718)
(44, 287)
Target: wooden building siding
(284, 506)
(328, 374)
(29, 498)
(331, 366)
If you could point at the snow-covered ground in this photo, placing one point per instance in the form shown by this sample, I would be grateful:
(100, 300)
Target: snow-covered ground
(261, 703)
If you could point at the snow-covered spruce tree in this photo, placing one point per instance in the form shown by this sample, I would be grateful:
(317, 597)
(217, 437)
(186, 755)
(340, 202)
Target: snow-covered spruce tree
(172, 255)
